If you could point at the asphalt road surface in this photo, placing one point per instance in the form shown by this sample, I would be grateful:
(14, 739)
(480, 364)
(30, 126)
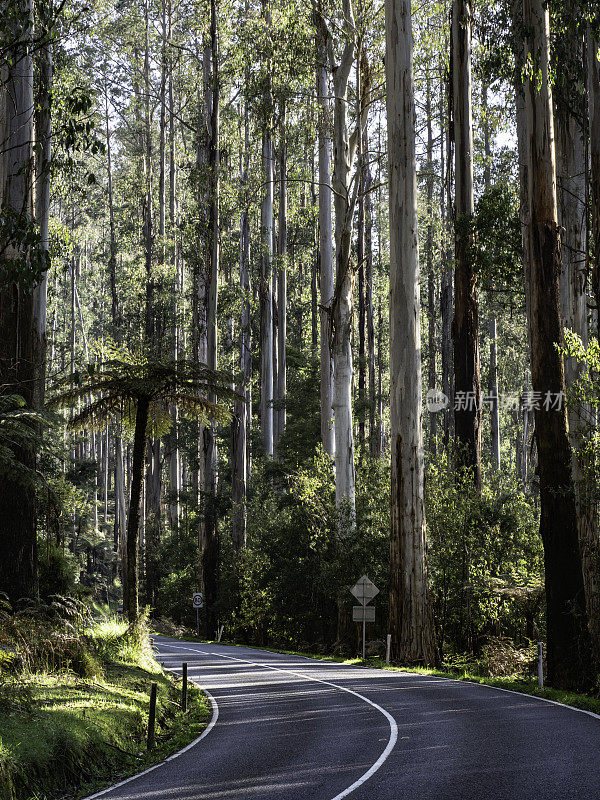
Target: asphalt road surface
(292, 728)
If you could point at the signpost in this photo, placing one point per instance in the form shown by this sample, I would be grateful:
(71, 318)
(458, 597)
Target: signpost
(198, 603)
(363, 613)
(364, 590)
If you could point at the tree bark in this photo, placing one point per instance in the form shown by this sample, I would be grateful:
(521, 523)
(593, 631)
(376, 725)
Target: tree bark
(282, 276)
(360, 241)
(208, 535)
(133, 521)
(446, 289)
(572, 202)
(467, 381)
(18, 554)
(493, 393)
(342, 308)
(590, 547)
(325, 245)
(43, 133)
(431, 338)
(242, 410)
(266, 297)
(174, 452)
(570, 665)
(411, 623)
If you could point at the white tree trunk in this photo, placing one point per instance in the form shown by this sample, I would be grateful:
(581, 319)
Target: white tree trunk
(325, 249)
(410, 619)
(344, 203)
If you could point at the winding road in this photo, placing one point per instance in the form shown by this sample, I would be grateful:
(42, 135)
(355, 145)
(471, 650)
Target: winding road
(292, 728)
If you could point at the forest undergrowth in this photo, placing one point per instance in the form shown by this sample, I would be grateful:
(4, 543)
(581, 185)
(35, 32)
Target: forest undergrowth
(74, 702)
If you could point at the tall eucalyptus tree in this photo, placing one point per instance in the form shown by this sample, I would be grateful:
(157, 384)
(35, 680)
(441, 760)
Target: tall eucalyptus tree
(411, 623)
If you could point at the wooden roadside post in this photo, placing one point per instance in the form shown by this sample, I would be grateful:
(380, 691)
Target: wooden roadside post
(152, 717)
(184, 688)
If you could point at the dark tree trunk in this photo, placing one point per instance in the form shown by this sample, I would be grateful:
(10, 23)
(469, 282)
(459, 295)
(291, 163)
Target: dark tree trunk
(569, 658)
(467, 380)
(446, 289)
(133, 520)
(18, 548)
(209, 533)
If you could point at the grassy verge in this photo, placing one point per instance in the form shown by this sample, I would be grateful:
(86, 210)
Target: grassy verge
(64, 735)
(514, 683)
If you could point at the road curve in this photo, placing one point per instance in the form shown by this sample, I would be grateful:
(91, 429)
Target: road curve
(298, 729)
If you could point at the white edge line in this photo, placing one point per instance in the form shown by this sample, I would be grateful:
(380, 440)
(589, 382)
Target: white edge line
(400, 671)
(205, 732)
(519, 694)
(392, 722)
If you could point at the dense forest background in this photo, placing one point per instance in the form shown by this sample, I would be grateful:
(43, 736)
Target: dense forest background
(196, 275)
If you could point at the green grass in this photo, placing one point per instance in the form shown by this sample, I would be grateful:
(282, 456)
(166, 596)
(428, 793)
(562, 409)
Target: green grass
(63, 735)
(514, 683)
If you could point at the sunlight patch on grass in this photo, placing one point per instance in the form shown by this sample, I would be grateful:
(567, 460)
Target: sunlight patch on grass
(60, 731)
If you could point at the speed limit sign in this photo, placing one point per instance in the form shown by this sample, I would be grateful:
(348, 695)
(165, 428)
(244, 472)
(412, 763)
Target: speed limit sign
(198, 600)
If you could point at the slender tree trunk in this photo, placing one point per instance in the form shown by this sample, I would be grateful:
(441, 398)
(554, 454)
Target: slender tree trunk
(133, 521)
(411, 623)
(174, 453)
(43, 132)
(18, 548)
(266, 297)
(493, 393)
(242, 405)
(572, 203)
(467, 410)
(369, 302)
(325, 246)
(493, 371)
(446, 291)
(431, 339)
(360, 245)
(200, 272)
(151, 522)
(570, 665)
(590, 548)
(209, 539)
(282, 276)
(120, 507)
(342, 308)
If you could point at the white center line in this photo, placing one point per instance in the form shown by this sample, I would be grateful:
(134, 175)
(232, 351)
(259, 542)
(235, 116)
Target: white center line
(392, 722)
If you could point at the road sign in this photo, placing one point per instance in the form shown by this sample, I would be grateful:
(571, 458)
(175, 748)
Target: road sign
(198, 600)
(364, 590)
(363, 613)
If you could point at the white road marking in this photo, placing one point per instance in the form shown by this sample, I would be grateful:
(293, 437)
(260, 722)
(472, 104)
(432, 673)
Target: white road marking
(533, 696)
(205, 732)
(392, 722)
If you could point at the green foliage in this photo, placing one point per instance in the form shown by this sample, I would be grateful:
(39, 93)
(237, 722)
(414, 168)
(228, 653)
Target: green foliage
(118, 385)
(485, 559)
(20, 431)
(297, 538)
(59, 731)
(23, 260)
(57, 572)
(498, 247)
(303, 410)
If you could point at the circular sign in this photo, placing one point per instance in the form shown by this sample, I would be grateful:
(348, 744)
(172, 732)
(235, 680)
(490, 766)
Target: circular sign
(198, 600)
